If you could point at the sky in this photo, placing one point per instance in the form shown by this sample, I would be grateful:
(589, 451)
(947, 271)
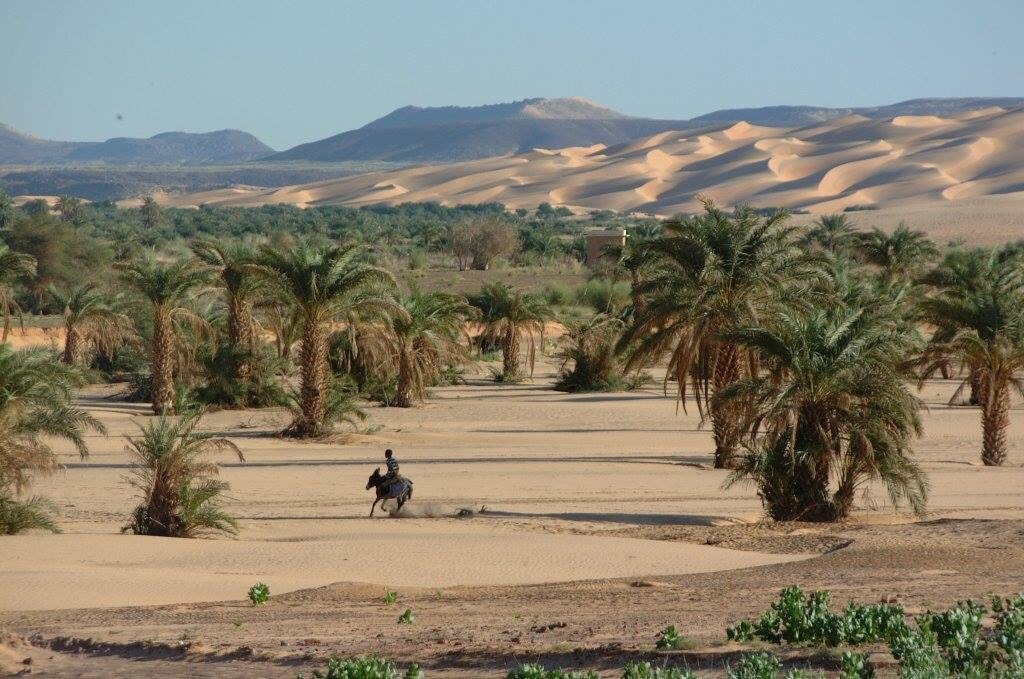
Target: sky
(297, 71)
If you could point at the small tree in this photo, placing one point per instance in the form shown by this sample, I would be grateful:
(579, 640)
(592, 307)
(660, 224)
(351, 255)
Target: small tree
(179, 491)
(590, 348)
(90, 319)
(13, 267)
(508, 316)
(35, 403)
(476, 244)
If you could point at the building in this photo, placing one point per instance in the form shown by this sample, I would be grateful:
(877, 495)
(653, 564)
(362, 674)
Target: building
(599, 241)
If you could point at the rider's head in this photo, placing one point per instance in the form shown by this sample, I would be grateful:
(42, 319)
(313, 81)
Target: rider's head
(388, 453)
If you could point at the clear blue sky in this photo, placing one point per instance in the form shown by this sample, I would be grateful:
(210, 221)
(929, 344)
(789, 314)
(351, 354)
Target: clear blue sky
(296, 71)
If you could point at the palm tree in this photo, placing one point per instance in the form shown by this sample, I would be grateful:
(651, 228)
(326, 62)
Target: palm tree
(232, 266)
(590, 346)
(89, 318)
(167, 288)
(324, 284)
(831, 412)
(835, 233)
(177, 487)
(35, 402)
(978, 318)
(13, 266)
(508, 315)
(423, 336)
(708, 274)
(900, 254)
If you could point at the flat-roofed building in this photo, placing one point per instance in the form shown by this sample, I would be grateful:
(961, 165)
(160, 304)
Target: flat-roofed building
(598, 241)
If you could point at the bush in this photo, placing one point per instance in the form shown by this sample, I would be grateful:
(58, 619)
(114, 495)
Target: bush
(534, 671)
(557, 294)
(755, 666)
(604, 295)
(259, 594)
(366, 668)
(668, 638)
(636, 670)
(948, 643)
(219, 384)
(407, 618)
(590, 348)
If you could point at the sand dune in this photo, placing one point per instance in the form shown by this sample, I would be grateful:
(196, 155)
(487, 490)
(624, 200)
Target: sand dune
(908, 160)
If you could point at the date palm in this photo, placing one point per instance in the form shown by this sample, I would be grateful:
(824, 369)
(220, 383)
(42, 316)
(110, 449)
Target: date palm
(178, 489)
(423, 336)
(231, 264)
(324, 284)
(831, 411)
(35, 406)
(708, 274)
(167, 289)
(978, 321)
(13, 267)
(89, 319)
(508, 316)
(900, 254)
(833, 233)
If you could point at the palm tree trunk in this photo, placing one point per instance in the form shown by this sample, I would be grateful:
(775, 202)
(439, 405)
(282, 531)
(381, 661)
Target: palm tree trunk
(240, 332)
(313, 374)
(639, 303)
(995, 416)
(71, 342)
(162, 369)
(725, 425)
(403, 393)
(976, 387)
(510, 353)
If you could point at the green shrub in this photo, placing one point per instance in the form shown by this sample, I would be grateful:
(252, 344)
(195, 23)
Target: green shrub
(636, 670)
(668, 638)
(534, 671)
(557, 294)
(604, 295)
(365, 668)
(259, 594)
(417, 259)
(389, 597)
(755, 666)
(407, 618)
(856, 666)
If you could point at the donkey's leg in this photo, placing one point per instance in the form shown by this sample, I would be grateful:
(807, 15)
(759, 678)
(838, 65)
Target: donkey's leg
(373, 506)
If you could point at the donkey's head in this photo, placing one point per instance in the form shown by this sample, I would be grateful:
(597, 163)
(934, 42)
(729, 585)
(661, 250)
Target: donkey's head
(374, 479)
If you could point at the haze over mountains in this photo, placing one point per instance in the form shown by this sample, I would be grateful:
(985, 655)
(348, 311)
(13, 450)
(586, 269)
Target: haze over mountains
(222, 146)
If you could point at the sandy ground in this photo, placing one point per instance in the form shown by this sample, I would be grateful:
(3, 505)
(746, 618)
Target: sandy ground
(598, 511)
(975, 160)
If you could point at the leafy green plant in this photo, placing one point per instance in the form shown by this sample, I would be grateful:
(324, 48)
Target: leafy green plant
(856, 666)
(390, 596)
(534, 671)
(637, 670)
(259, 594)
(668, 638)
(755, 666)
(407, 618)
(364, 668)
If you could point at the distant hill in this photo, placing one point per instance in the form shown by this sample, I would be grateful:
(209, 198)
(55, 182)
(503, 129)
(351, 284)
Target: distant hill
(453, 133)
(222, 146)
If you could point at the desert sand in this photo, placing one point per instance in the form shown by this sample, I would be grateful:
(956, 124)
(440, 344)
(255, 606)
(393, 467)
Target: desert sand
(599, 511)
(972, 163)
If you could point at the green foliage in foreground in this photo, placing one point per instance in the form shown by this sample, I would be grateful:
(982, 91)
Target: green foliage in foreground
(259, 594)
(365, 668)
(533, 671)
(668, 638)
(19, 516)
(942, 644)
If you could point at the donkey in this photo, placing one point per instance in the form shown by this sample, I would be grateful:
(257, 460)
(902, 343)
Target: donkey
(399, 489)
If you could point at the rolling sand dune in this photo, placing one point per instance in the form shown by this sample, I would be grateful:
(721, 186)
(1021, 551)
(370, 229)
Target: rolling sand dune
(905, 161)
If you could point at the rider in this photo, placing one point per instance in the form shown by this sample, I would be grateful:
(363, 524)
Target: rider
(392, 463)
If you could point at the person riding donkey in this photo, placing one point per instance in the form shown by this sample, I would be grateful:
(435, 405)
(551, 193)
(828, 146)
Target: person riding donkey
(392, 463)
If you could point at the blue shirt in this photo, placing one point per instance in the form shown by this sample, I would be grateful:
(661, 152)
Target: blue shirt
(392, 464)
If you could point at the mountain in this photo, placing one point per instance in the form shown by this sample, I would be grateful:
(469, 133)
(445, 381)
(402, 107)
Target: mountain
(850, 161)
(453, 133)
(20, 148)
(222, 146)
